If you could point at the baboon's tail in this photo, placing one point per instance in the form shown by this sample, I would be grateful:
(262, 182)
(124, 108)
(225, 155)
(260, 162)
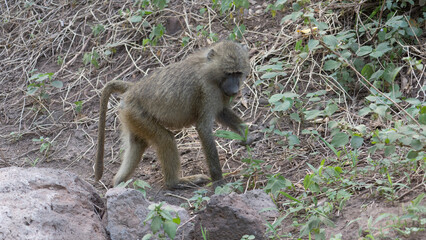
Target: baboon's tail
(115, 86)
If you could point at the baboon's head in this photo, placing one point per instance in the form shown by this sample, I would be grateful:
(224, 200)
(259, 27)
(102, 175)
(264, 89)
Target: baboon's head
(231, 63)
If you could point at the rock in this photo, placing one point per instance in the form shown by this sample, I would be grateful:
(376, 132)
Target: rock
(262, 203)
(42, 203)
(127, 210)
(233, 216)
(173, 25)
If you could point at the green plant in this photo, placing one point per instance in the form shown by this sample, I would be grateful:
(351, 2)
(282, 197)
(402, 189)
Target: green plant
(124, 184)
(203, 32)
(156, 33)
(78, 105)
(228, 5)
(204, 232)
(237, 32)
(185, 41)
(40, 82)
(230, 187)
(161, 219)
(199, 200)
(276, 183)
(273, 229)
(16, 136)
(232, 135)
(33, 162)
(45, 144)
(91, 58)
(277, 6)
(60, 61)
(141, 186)
(157, 4)
(411, 222)
(98, 29)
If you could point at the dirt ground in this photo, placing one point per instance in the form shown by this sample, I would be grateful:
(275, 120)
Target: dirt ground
(53, 38)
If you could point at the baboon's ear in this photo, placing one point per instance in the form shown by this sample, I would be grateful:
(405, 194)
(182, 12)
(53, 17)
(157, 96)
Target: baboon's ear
(211, 54)
(245, 47)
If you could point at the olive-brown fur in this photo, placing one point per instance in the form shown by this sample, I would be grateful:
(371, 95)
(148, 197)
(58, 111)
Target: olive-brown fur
(182, 94)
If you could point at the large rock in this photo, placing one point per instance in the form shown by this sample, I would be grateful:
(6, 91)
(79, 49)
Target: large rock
(127, 210)
(261, 202)
(41, 203)
(235, 215)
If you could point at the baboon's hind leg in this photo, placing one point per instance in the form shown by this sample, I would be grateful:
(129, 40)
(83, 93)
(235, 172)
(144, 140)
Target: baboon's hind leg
(167, 153)
(134, 147)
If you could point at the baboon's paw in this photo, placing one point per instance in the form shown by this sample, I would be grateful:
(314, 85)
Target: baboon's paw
(195, 179)
(218, 183)
(190, 182)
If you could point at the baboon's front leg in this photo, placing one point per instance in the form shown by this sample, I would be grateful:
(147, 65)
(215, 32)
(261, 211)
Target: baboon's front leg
(205, 133)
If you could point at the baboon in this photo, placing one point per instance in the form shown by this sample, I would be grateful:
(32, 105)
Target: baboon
(196, 91)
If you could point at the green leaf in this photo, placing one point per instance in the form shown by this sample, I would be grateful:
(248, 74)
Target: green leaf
(356, 142)
(159, 3)
(309, 115)
(332, 124)
(293, 140)
(312, 44)
(412, 154)
(331, 41)
(156, 224)
(391, 73)
(418, 200)
(389, 150)
(381, 49)
(270, 75)
(362, 51)
(413, 101)
(364, 111)
(278, 67)
(177, 219)
(280, 2)
(170, 228)
(317, 93)
(31, 90)
(284, 106)
(315, 99)
(229, 135)
(295, 116)
(367, 71)
(377, 75)
(147, 236)
(330, 109)
(124, 184)
(87, 58)
(166, 214)
(416, 144)
(381, 110)
(290, 197)
(331, 65)
(136, 19)
(57, 84)
(422, 118)
(276, 183)
(382, 35)
(290, 95)
(276, 98)
(340, 139)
